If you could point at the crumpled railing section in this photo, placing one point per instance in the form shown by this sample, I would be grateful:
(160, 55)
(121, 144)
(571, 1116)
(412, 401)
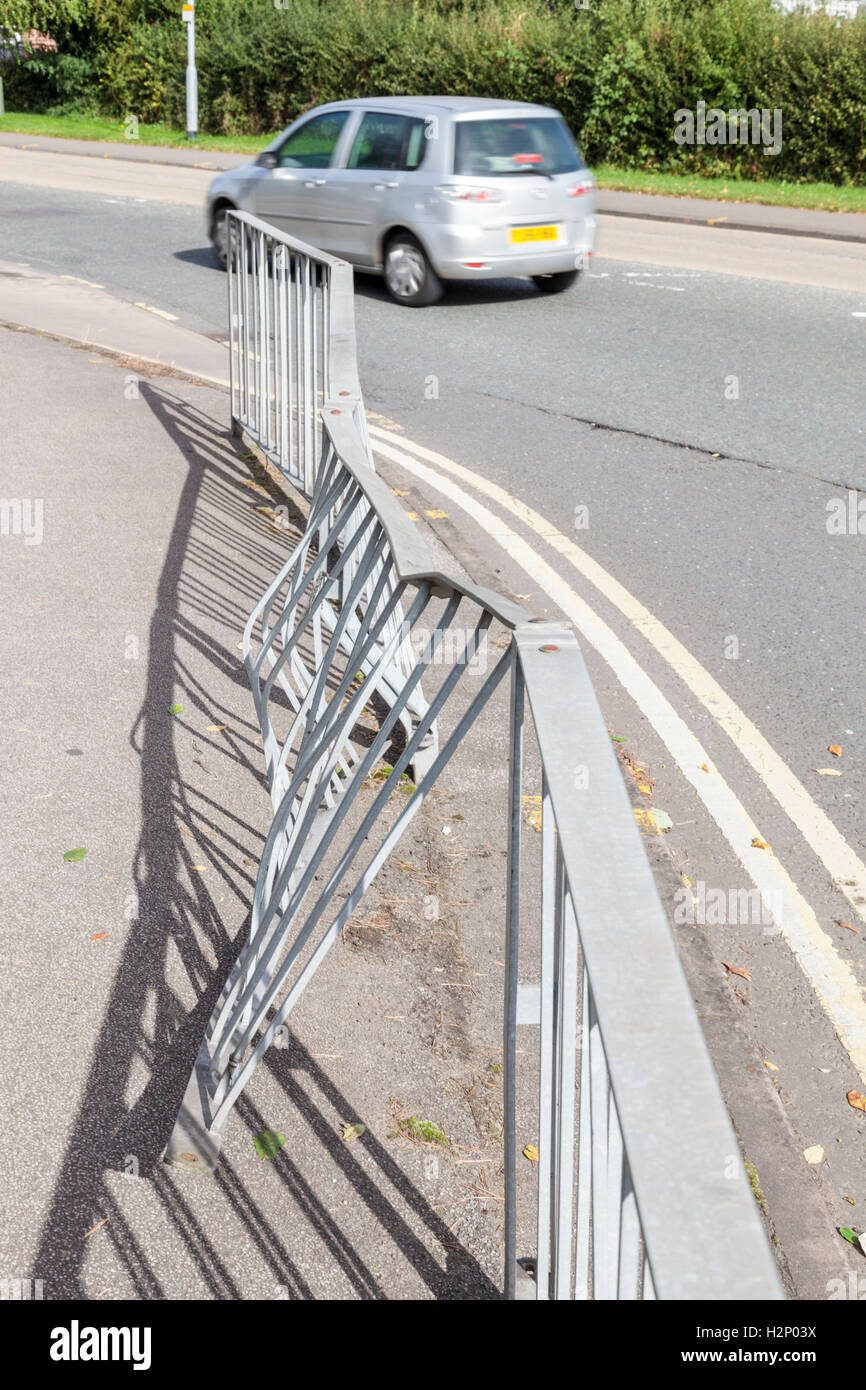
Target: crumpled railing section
(641, 1192)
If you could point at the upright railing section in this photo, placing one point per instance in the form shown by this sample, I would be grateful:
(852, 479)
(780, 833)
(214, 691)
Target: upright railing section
(641, 1191)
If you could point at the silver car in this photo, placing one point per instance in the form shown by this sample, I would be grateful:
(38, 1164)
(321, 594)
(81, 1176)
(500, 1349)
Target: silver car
(423, 190)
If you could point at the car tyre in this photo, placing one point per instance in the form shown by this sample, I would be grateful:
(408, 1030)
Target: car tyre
(219, 235)
(409, 277)
(556, 283)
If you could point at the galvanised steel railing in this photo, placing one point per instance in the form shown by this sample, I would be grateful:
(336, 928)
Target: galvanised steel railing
(641, 1191)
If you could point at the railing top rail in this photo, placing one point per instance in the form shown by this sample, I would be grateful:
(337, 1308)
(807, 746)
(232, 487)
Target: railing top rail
(703, 1235)
(303, 248)
(412, 559)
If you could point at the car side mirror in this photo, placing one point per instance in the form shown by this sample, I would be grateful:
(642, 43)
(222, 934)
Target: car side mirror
(268, 160)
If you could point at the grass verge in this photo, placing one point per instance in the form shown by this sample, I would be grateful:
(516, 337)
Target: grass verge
(86, 128)
(824, 197)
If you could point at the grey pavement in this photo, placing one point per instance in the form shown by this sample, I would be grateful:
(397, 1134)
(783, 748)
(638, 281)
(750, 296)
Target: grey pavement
(189, 157)
(735, 216)
(717, 522)
(846, 226)
(127, 598)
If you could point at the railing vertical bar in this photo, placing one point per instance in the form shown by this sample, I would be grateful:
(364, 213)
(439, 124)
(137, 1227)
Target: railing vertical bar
(545, 1078)
(629, 1241)
(567, 1040)
(297, 461)
(245, 301)
(309, 394)
(512, 926)
(256, 316)
(613, 1219)
(233, 315)
(285, 374)
(582, 1279)
(267, 297)
(599, 1100)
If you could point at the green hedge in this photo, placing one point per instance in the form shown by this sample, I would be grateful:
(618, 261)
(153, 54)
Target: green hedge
(618, 69)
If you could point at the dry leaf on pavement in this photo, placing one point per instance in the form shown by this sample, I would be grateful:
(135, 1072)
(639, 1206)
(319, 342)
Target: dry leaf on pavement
(737, 970)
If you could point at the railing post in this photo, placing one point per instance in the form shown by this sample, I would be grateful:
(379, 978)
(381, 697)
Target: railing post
(512, 927)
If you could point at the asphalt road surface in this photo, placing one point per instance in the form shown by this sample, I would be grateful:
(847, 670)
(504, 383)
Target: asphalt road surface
(687, 428)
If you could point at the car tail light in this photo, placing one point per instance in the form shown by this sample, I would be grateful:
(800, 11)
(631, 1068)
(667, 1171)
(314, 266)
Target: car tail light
(466, 193)
(576, 189)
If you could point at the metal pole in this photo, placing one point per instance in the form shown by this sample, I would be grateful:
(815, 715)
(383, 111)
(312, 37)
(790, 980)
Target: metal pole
(191, 82)
(512, 921)
(2, 102)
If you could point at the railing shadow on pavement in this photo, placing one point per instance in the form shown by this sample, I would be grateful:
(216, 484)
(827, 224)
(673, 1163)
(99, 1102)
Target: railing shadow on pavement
(203, 596)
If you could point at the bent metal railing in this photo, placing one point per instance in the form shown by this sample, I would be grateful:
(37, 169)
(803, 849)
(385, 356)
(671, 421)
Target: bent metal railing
(641, 1192)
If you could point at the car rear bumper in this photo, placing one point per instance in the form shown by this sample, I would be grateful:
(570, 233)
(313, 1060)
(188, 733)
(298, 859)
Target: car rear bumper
(463, 254)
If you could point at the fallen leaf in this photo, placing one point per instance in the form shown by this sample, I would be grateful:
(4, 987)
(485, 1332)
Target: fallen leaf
(268, 1143)
(828, 772)
(72, 856)
(851, 1236)
(850, 1200)
(619, 738)
(103, 1222)
(176, 709)
(216, 728)
(835, 749)
(435, 512)
(771, 1066)
(848, 927)
(352, 1132)
(815, 1154)
(531, 1152)
(651, 820)
(759, 844)
(737, 970)
(199, 868)
(704, 768)
(857, 1099)
(99, 936)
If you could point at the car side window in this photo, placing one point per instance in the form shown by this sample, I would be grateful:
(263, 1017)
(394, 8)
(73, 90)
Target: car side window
(313, 145)
(386, 141)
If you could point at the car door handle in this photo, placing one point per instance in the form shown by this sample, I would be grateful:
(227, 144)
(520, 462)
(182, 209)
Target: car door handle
(313, 183)
(380, 187)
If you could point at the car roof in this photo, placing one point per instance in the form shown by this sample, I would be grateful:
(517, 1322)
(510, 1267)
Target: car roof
(458, 106)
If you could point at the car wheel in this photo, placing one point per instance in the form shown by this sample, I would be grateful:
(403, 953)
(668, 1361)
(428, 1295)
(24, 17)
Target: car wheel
(409, 276)
(555, 284)
(219, 236)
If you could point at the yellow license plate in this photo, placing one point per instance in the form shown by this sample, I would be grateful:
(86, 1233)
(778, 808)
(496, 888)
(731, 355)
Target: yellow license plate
(533, 234)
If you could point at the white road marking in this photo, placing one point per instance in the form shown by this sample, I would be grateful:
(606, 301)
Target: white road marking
(834, 852)
(832, 980)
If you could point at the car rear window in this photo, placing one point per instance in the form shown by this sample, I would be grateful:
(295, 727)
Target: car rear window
(515, 145)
